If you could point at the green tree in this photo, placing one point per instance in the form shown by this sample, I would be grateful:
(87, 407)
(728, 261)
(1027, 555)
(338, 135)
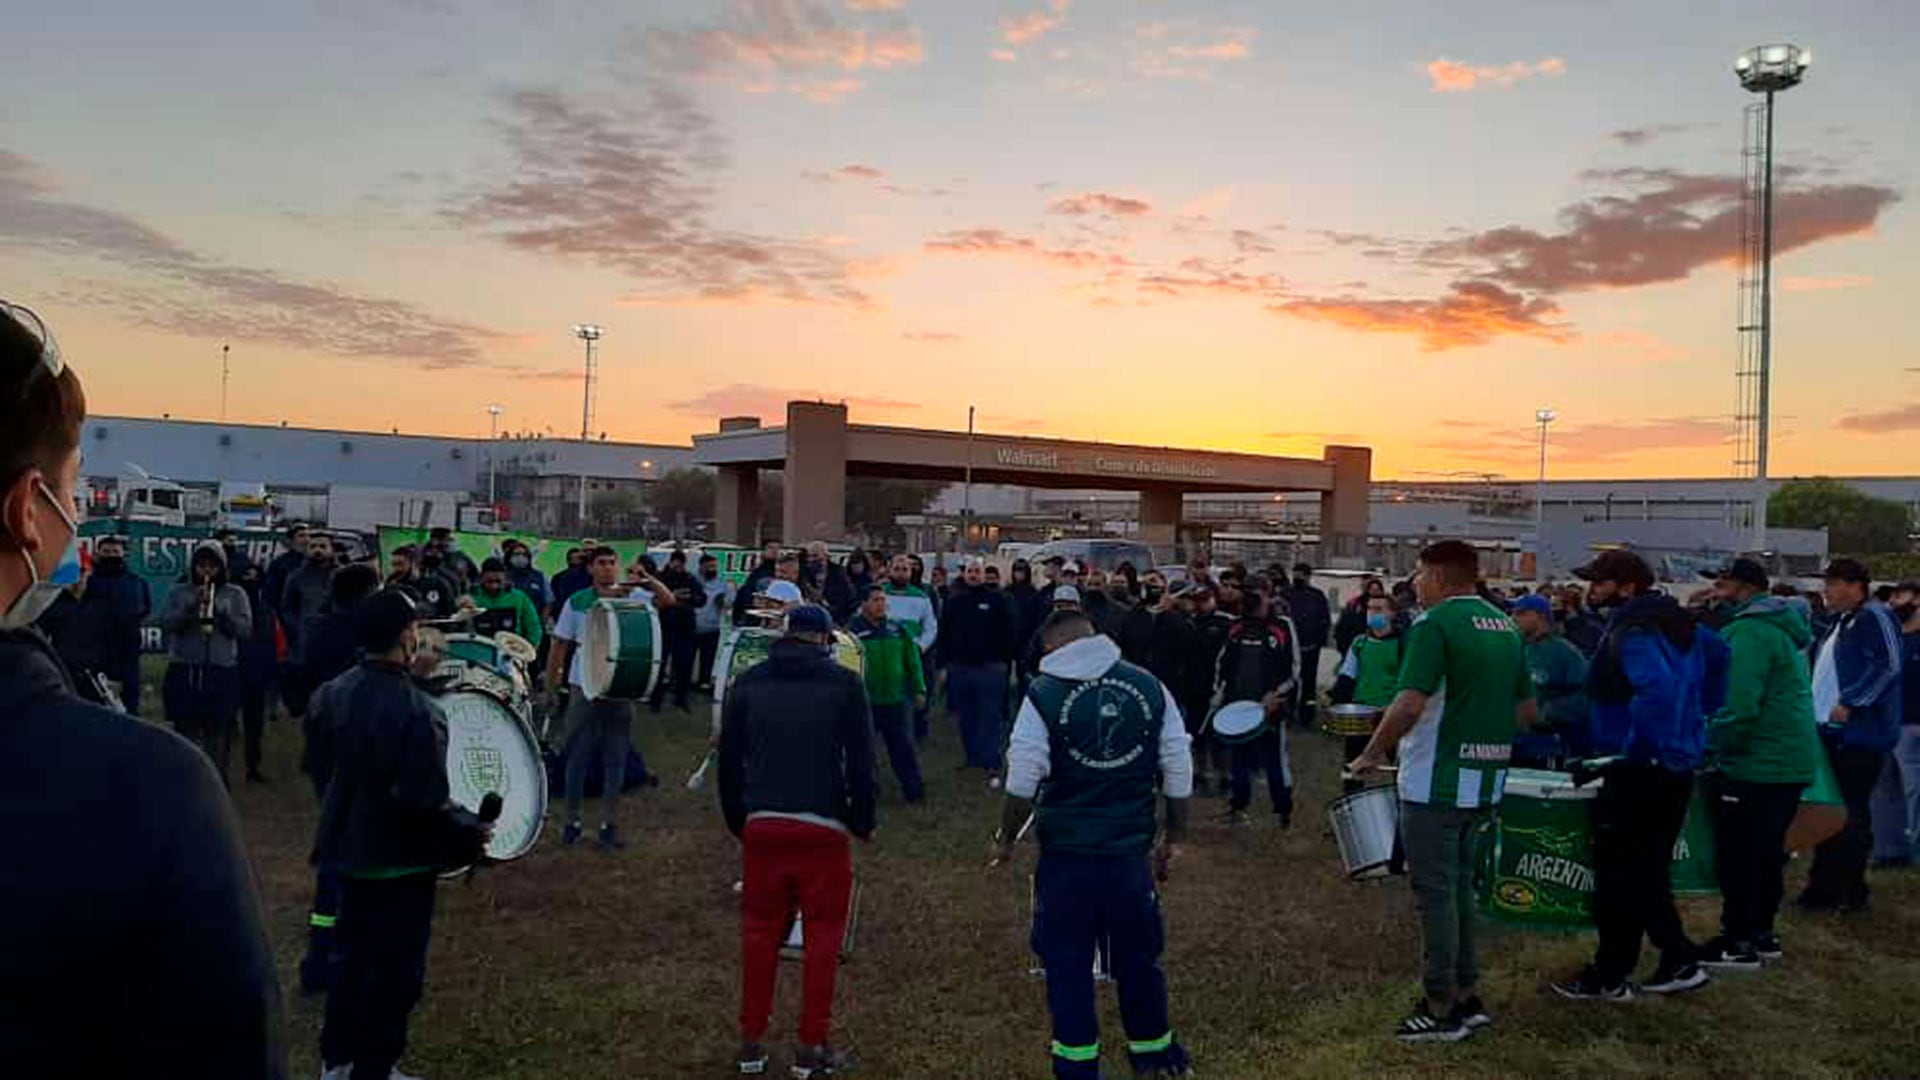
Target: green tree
(682, 491)
(873, 503)
(1854, 520)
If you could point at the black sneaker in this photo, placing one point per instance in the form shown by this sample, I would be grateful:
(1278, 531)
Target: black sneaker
(819, 1063)
(1730, 955)
(1472, 1013)
(752, 1060)
(1588, 987)
(1677, 978)
(609, 839)
(1421, 1026)
(1769, 947)
(570, 835)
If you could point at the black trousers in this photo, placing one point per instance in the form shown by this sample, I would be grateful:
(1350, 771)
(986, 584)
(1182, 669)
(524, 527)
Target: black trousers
(201, 700)
(255, 696)
(381, 942)
(1749, 840)
(1309, 702)
(1636, 820)
(1839, 873)
(678, 667)
(706, 649)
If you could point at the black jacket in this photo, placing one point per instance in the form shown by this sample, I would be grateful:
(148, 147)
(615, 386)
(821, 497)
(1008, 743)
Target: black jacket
(688, 597)
(332, 650)
(387, 806)
(302, 601)
(1172, 648)
(1136, 635)
(127, 895)
(834, 586)
(1203, 663)
(1351, 626)
(1312, 618)
(796, 737)
(1258, 658)
(979, 627)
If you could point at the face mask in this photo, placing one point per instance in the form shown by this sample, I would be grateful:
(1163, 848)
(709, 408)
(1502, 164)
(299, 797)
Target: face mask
(1377, 620)
(519, 562)
(1154, 593)
(40, 595)
(109, 564)
(1117, 593)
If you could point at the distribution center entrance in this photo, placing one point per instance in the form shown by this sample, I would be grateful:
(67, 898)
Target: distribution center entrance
(818, 449)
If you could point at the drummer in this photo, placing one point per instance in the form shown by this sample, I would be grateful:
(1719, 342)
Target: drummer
(603, 726)
(1370, 673)
(1464, 688)
(503, 607)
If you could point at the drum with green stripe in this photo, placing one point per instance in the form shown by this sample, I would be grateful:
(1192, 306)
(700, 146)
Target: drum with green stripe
(622, 650)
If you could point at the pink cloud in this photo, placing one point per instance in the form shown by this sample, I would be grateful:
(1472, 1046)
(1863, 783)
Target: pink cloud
(1099, 202)
(769, 403)
(1188, 50)
(1005, 56)
(1029, 26)
(1452, 76)
(793, 46)
(999, 242)
(1470, 313)
(1882, 421)
(874, 5)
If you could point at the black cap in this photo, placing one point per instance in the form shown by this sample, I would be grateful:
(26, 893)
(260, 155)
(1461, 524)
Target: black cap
(1619, 566)
(1303, 568)
(809, 619)
(1852, 571)
(1743, 570)
(381, 617)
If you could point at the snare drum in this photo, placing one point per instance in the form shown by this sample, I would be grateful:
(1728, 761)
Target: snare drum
(622, 651)
(1239, 722)
(1350, 720)
(490, 749)
(1365, 825)
(746, 646)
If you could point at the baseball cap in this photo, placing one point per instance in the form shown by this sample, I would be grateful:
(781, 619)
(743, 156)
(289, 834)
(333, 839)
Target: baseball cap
(1536, 604)
(785, 592)
(1743, 570)
(808, 619)
(1619, 566)
(380, 618)
(1066, 594)
(1070, 567)
(1849, 570)
(1302, 568)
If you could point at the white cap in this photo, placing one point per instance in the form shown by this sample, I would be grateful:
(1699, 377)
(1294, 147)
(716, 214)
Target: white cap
(785, 592)
(1070, 567)
(1066, 594)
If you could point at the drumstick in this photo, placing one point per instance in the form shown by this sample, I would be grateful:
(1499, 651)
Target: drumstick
(1347, 774)
(699, 778)
(1025, 828)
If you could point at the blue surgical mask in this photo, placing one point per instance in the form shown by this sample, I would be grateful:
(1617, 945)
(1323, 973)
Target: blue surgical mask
(40, 594)
(1378, 620)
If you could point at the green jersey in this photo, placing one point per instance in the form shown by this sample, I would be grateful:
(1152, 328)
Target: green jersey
(1467, 657)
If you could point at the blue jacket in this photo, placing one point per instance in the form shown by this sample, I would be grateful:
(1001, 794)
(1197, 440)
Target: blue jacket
(1656, 678)
(1867, 653)
(129, 601)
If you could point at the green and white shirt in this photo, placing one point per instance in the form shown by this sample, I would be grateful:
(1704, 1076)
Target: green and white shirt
(1467, 657)
(571, 626)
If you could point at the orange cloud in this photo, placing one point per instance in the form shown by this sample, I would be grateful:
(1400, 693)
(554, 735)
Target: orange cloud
(1882, 421)
(1188, 50)
(1452, 76)
(932, 337)
(1099, 202)
(794, 46)
(998, 242)
(1471, 313)
(1027, 26)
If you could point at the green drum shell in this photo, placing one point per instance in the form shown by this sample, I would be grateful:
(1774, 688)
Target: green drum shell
(746, 646)
(623, 649)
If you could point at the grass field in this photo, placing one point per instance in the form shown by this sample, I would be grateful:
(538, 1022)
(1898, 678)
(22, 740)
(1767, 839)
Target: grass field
(579, 965)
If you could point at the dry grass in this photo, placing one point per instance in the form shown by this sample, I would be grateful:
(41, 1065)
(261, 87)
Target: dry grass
(580, 965)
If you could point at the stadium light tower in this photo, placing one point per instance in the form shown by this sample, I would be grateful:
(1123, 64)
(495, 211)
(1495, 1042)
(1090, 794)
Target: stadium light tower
(493, 443)
(1766, 70)
(589, 334)
(1543, 417)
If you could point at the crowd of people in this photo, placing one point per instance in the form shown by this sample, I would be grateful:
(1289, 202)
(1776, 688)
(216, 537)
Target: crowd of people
(1082, 693)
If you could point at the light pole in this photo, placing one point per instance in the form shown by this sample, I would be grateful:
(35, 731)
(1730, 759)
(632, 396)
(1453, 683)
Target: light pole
(493, 437)
(589, 334)
(1767, 69)
(1543, 417)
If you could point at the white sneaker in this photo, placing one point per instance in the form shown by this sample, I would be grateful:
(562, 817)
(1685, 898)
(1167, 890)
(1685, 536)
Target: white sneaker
(993, 783)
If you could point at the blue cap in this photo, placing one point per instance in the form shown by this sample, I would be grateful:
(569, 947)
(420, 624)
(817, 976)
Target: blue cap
(809, 619)
(1535, 603)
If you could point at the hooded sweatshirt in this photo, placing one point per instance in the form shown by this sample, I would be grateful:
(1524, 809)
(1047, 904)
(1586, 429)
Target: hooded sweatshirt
(196, 639)
(1656, 678)
(1765, 734)
(910, 606)
(796, 742)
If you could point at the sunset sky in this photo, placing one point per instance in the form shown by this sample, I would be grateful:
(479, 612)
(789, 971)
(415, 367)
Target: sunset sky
(1257, 226)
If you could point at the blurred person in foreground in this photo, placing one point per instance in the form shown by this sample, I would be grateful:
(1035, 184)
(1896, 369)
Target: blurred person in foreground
(128, 902)
(1762, 746)
(796, 780)
(1896, 798)
(1464, 693)
(1857, 702)
(1096, 740)
(388, 828)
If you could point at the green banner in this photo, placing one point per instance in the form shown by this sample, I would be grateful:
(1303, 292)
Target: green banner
(549, 555)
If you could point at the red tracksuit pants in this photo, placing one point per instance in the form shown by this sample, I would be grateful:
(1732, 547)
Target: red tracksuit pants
(792, 866)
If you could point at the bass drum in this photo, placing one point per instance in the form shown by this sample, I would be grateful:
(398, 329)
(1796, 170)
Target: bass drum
(490, 749)
(746, 646)
(621, 653)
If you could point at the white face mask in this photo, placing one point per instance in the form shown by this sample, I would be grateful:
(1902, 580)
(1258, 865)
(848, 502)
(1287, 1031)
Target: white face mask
(40, 594)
